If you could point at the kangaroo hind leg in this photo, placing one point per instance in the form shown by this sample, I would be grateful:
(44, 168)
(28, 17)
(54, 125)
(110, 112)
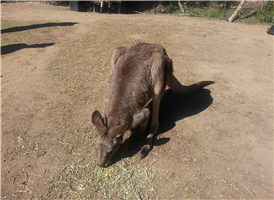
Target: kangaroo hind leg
(117, 53)
(159, 85)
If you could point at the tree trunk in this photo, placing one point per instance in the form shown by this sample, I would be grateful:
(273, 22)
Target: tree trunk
(183, 10)
(236, 11)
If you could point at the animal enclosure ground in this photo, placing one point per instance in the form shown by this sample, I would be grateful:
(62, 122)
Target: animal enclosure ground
(216, 143)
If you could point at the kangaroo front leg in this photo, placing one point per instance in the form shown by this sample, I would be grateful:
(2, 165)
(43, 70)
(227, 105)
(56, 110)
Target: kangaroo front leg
(141, 118)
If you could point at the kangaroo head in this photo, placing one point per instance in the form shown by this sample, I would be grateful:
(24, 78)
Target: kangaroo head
(110, 139)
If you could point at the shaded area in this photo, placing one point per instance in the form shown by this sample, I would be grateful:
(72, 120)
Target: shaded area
(246, 17)
(34, 26)
(173, 108)
(271, 30)
(15, 47)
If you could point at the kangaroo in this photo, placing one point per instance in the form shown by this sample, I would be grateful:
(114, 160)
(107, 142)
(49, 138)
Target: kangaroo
(139, 74)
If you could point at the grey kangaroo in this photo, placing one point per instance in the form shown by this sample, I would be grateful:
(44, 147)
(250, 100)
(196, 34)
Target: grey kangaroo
(139, 74)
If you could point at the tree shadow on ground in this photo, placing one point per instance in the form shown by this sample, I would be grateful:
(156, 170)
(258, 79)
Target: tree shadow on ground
(173, 108)
(246, 17)
(35, 26)
(15, 47)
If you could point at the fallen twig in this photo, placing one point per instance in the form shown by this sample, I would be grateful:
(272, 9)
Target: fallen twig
(129, 177)
(253, 193)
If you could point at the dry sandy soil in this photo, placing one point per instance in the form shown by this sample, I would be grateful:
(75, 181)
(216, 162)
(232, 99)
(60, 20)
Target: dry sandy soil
(216, 143)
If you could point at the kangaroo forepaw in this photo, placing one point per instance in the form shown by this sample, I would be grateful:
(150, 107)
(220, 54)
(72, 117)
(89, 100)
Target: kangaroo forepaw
(145, 150)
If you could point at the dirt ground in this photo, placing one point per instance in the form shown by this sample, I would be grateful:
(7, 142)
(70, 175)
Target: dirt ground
(216, 143)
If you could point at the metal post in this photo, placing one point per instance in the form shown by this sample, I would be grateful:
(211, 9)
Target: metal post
(224, 10)
(153, 7)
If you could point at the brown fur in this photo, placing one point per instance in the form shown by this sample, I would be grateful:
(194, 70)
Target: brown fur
(139, 74)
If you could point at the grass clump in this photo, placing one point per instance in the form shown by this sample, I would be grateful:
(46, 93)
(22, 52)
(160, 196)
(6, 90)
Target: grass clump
(266, 15)
(119, 181)
(84, 179)
(215, 14)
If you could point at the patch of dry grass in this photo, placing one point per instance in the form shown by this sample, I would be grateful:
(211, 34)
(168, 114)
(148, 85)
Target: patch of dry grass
(86, 180)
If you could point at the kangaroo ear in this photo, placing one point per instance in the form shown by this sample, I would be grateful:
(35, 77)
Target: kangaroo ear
(118, 131)
(98, 122)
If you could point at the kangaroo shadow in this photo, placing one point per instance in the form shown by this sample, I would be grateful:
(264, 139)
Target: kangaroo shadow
(15, 47)
(173, 108)
(34, 26)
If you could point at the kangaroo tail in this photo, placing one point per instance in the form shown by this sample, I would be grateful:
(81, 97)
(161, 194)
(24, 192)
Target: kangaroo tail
(180, 89)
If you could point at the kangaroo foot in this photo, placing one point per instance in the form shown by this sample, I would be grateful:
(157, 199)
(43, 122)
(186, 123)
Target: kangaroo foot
(144, 152)
(146, 148)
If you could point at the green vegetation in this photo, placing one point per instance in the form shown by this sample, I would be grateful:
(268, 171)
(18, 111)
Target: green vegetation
(251, 13)
(266, 15)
